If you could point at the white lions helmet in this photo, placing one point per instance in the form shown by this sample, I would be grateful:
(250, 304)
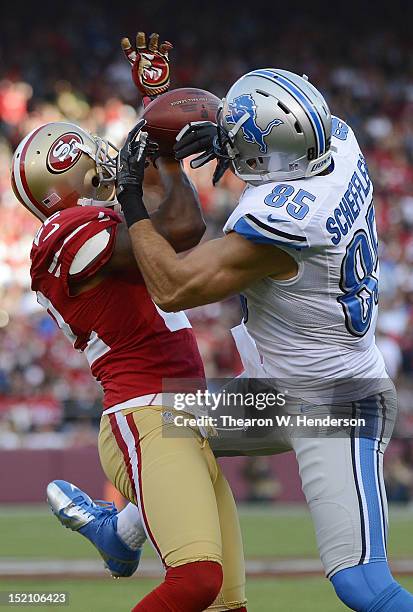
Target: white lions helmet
(274, 125)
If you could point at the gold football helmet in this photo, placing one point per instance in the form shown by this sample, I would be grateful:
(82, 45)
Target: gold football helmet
(60, 165)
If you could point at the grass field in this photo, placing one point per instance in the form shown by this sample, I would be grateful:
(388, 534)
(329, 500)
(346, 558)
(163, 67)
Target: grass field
(268, 533)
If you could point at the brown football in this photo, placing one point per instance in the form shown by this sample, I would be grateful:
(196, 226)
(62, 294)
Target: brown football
(170, 112)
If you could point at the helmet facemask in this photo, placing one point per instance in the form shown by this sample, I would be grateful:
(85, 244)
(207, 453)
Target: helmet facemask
(104, 157)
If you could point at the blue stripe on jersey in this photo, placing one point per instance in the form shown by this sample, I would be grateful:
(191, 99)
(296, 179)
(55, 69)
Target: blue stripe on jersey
(379, 466)
(368, 467)
(272, 230)
(246, 230)
(295, 92)
(358, 487)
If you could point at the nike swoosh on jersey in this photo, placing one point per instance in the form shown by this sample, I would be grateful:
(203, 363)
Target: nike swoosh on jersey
(272, 219)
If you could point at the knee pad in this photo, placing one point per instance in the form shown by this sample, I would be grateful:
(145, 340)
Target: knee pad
(359, 586)
(199, 583)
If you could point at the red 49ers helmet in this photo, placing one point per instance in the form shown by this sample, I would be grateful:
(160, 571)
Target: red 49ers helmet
(58, 165)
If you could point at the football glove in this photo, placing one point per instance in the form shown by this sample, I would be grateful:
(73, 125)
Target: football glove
(196, 137)
(202, 137)
(132, 158)
(149, 62)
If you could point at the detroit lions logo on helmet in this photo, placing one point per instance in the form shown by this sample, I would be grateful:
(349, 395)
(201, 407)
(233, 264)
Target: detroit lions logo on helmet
(251, 130)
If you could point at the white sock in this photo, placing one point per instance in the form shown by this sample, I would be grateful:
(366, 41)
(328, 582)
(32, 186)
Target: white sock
(130, 527)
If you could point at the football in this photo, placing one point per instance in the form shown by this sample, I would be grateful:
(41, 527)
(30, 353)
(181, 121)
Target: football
(170, 112)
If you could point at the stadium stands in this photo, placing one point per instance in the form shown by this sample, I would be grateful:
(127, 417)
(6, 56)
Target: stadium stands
(80, 74)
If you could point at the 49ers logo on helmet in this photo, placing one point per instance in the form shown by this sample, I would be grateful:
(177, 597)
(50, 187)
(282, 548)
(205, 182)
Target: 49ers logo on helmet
(64, 152)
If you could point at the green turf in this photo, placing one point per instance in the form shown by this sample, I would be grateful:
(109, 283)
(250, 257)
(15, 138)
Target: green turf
(288, 532)
(275, 532)
(264, 594)
(280, 533)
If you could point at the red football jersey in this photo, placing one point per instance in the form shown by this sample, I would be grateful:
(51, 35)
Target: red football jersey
(131, 344)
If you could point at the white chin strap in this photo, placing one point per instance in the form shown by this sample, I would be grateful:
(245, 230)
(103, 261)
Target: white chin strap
(238, 126)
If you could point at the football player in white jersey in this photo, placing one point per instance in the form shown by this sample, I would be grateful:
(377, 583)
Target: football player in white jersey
(301, 247)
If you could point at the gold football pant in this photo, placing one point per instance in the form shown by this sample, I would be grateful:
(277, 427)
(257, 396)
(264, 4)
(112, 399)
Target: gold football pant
(186, 504)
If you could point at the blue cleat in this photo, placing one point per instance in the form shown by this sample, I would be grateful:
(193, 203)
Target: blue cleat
(97, 521)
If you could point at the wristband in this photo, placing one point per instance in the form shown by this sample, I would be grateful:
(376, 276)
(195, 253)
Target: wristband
(131, 201)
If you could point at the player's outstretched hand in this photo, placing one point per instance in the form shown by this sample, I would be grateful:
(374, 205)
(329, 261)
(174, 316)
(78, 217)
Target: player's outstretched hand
(132, 158)
(202, 137)
(196, 137)
(149, 62)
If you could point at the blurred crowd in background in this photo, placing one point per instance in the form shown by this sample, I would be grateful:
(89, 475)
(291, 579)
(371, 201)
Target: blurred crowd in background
(56, 66)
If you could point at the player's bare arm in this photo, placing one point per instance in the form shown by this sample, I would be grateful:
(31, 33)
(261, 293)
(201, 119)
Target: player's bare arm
(178, 219)
(213, 271)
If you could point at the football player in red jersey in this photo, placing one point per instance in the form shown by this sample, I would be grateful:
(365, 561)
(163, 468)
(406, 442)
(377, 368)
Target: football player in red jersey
(85, 275)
